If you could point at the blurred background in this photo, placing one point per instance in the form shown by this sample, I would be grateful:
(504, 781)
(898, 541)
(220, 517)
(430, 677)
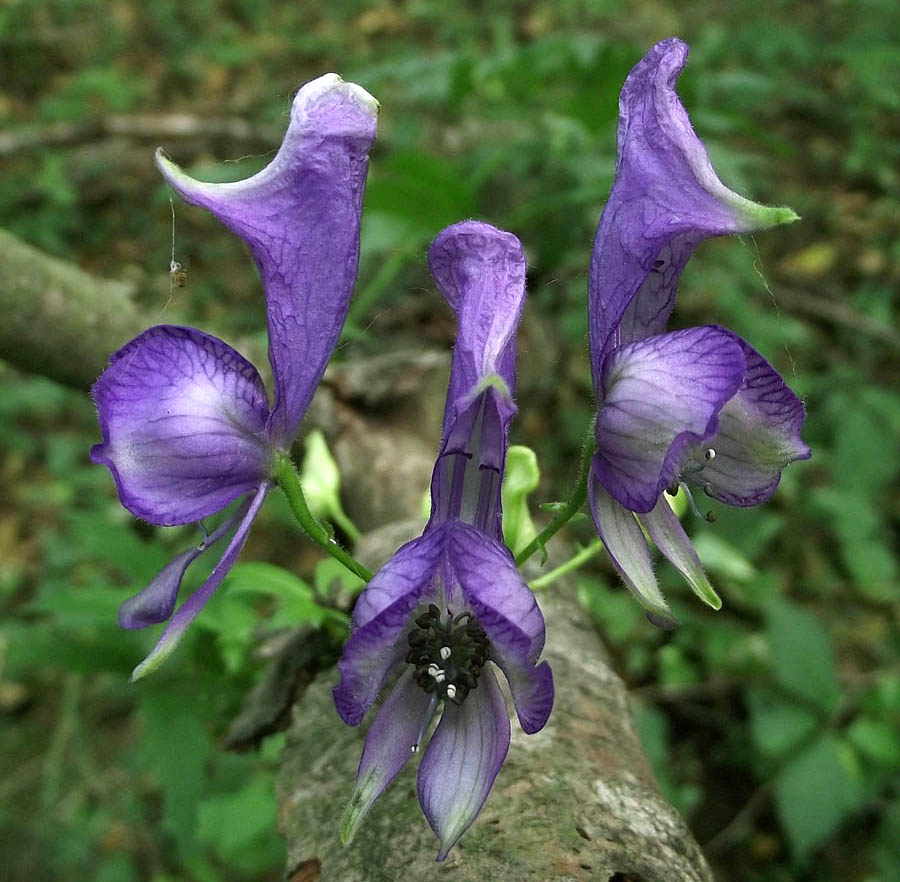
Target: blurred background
(772, 724)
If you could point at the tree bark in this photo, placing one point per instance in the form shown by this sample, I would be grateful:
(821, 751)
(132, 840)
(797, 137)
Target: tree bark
(56, 319)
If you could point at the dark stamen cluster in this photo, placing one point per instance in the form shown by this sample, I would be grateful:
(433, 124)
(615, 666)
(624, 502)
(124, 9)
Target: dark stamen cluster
(449, 655)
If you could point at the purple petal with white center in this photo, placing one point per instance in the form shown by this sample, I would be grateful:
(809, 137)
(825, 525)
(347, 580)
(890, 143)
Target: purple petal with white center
(758, 436)
(183, 419)
(463, 759)
(380, 623)
(300, 217)
(390, 741)
(480, 270)
(628, 551)
(661, 395)
(668, 535)
(155, 603)
(189, 610)
(494, 591)
(665, 200)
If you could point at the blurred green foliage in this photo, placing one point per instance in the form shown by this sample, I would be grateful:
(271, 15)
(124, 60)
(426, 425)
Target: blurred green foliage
(773, 724)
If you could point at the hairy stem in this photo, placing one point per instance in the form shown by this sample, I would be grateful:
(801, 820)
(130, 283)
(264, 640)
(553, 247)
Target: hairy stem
(573, 563)
(574, 504)
(289, 481)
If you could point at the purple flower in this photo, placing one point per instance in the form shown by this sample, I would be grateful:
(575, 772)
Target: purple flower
(186, 423)
(698, 405)
(451, 605)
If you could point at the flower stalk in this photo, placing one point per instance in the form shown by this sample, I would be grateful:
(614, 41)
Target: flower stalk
(289, 480)
(577, 560)
(571, 507)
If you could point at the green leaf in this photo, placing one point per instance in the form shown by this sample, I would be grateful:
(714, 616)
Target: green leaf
(256, 577)
(876, 740)
(815, 793)
(174, 748)
(615, 612)
(721, 558)
(777, 725)
(863, 537)
(240, 827)
(330, 571)
(675, 669)
(802, 657)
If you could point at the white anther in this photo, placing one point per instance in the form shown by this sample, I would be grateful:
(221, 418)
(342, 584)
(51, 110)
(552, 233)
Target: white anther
(445, 652)
(710, 454)
(439, 677)
(432, 670)
(451, 691)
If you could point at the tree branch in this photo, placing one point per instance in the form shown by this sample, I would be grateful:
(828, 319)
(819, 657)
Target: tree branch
(146, 127)
(56, 319)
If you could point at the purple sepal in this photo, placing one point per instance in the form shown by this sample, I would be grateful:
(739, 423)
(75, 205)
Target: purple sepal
(300, 217)
(462, 761)
(667, 534)
(189, 610)
(661, 397)
(379, 624)
(154, 604)
(494, 590)
(665, 200)
(628, 551)
(183, 418)
(390, 742)
(758, 436)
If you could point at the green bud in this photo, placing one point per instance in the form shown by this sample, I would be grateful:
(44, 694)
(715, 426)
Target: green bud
(521, 478)
(321, 482)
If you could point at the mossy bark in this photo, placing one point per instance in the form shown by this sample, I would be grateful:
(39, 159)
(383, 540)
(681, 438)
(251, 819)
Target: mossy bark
(58, 320)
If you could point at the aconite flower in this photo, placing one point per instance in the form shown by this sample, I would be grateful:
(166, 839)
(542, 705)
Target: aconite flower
(186, 421)
(698, 405)
(450, 609)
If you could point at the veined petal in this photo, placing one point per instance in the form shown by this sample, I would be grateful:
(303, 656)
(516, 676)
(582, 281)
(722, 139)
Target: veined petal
(668, 535)
(493, 589)
(661, 395)
(758, 436)
(390, 741)
(300, 217)
(183, 419)
(155, 603)
(628, 551)
(463, 759)
(665, 200)
(491, 582)
(380, 620)
(189, 610)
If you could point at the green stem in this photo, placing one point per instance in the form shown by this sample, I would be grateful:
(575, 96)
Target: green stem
(571, 508)
(289, 480)
(339, 516)
(573, 563)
